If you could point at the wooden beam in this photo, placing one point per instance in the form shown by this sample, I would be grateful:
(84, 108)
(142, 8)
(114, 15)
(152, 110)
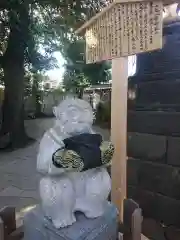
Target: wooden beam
(119, 130)
(83, 28)
(87, 24)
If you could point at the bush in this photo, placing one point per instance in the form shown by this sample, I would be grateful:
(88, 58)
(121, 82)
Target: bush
(103, 114)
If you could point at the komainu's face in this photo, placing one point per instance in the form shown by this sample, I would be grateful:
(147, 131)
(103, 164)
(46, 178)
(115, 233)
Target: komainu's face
(74, 116)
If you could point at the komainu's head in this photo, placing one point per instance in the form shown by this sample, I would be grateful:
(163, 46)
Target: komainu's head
(74, 116)
(81, 148)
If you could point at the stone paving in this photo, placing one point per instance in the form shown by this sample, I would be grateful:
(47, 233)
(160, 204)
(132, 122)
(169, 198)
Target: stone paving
(18, 177)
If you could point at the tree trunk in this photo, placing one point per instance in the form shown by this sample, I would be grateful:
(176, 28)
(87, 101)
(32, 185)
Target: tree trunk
(80, 92)
(13, 111)
(36, 98)
(13, 66)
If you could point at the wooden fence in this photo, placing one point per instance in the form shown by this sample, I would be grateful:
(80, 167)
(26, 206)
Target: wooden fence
(129, 230)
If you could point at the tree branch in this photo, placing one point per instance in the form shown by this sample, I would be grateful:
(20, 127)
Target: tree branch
(6, 4)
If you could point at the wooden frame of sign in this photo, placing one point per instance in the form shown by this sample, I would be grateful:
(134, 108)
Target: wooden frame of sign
(121, 29)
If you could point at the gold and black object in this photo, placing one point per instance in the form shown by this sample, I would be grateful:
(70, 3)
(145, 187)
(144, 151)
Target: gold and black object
(83, 152)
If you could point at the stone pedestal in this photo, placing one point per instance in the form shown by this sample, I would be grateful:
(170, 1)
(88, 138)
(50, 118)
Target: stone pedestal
(37, 227)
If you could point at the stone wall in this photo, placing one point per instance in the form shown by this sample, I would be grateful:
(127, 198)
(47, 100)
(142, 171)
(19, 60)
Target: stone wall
(154, 132)
(154, 175)
(49, 100)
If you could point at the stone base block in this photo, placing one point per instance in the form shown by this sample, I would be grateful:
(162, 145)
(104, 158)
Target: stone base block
(37, 227)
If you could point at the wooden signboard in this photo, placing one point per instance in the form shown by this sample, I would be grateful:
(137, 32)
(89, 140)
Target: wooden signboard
(124, 29)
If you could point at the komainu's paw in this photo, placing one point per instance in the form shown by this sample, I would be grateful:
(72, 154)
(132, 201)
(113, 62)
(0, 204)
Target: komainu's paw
(107, 151)
(68, 160)
(64, 222)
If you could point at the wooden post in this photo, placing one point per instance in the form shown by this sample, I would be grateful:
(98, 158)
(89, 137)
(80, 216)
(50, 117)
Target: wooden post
(8, 228)
(108, 36)
(1, 229)
(119, 130)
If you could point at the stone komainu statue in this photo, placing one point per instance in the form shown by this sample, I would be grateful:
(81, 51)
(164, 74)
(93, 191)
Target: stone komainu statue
(72, 160)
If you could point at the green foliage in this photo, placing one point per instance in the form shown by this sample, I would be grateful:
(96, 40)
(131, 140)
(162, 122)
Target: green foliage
(78, 73)
(103, 114)
(27, 85)
(33, 82)
(58, 91)
(75, 82)
(1, 77)
(30, 31)
(49, 25)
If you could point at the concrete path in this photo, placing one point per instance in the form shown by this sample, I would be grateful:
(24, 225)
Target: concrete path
(18, 177)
